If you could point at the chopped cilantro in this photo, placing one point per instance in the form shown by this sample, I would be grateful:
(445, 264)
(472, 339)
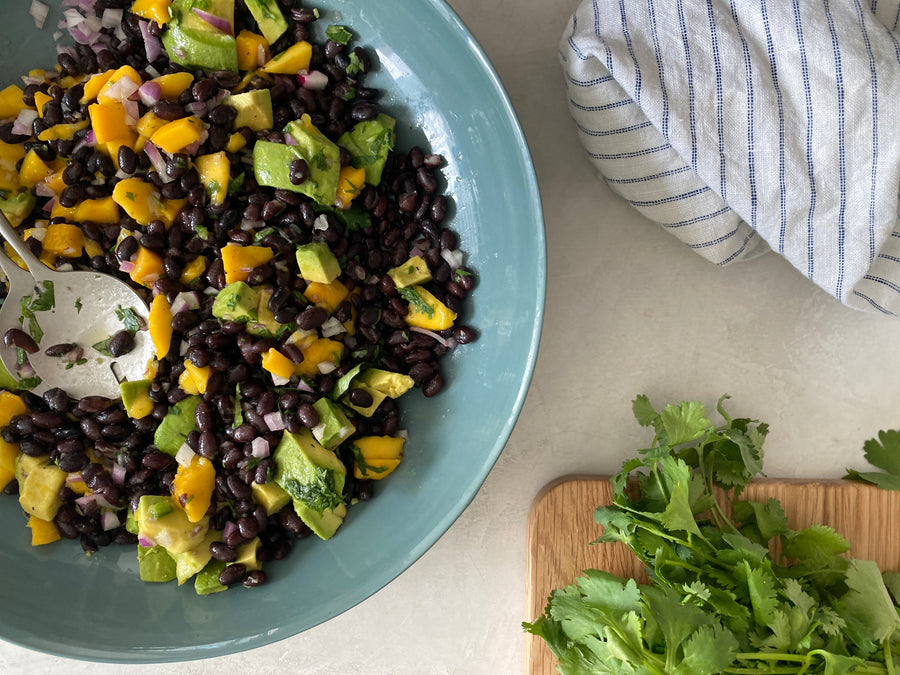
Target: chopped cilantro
(364, 467)
(45, 299)
(238, 411)
(29, 382)
(129, 318)
(355, 66)
(103, 347)
(339, 34)
(235, 184)
(129, 195)
(412, 297)
(213, 187)
(78, 305)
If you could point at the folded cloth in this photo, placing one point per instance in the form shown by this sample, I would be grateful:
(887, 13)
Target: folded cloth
(743, 127)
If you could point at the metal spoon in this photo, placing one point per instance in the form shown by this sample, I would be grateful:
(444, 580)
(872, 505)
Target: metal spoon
(84, 308)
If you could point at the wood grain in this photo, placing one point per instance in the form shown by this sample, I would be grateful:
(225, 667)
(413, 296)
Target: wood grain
(561, 527)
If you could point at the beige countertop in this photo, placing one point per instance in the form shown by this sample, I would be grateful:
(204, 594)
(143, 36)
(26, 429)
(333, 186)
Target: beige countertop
(629, 310)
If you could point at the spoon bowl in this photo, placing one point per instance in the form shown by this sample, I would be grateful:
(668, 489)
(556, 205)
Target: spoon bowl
(78, 308)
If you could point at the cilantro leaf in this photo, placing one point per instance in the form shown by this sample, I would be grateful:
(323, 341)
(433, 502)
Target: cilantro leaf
(338, 33)
(417, 301)
(129, 319)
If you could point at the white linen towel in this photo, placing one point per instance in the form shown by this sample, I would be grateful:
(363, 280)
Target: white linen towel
(741, 126)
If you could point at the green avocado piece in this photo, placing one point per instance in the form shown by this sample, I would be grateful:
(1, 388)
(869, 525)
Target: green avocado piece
(254, 109)
(17, 207)
(314, 478)
(133, 390)
(155, 564)
(176, 425)
(171, 528)
(39, 484)
(192, 42)
(369, 143)
(189, 563)
(317, 262)
(207, 579)
(236, 302)
(377, 399)
(247, 554)
(7, 381)
(389, 383)
(343, 384)
(413, 271)
(271, 496)
(268, 17)
(333, 427)
(265, 324)
(322, 157)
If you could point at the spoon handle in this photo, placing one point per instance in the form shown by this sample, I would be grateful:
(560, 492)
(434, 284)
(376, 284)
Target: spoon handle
(35, 266)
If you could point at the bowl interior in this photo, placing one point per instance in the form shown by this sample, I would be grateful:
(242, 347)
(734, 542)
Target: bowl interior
(446, 97)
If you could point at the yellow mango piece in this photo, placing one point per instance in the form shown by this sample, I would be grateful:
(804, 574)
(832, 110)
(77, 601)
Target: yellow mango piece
(173, 85)
(278, 364)
(141, 201)
(250, 47)
(10, 154)
(430, 313)
(100, 210)
(291, 61)
(6, 477)
(148, 267)
(33, 170)
(41, 99)
(64, 131)
(10, 406)
(377, 456)
(350, 182)
(93, 86)
(76, 483)
(108, 121)
(149, 123)
(8, 453)
(159, 322)
(215, 172)
(11, 103)
(177, 135)
(55, 181)
(193, 270)
(320, 350)
(239, 261)
(92, 248)
(62, 240)
(60, 211)
(192, 487)
(330, 296)
(155, 10)
(235, 142)
(42, 531)
(194, 380)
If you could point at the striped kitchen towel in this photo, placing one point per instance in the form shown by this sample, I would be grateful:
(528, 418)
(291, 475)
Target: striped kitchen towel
(747, 126)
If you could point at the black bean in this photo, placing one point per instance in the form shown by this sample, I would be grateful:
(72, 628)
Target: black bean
(46, 419)
(464, 334)
(308, 415)
(168, 110)
(56, 399)
(254, 578)
(157, 461)
(126, 248)
(222, 115)
(222, 551)
(433, 386)
(312, 317)
(232, 574)
(16, 337)
(121, 343)
(94, 404)
(299, 171)
(360, 398)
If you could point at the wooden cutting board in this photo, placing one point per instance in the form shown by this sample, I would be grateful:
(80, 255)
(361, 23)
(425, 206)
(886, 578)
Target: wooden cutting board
(561, 527)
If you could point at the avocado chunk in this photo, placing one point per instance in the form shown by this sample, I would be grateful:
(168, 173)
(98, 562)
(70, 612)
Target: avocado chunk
(377, 399)
(413, 271)
(272, 162)
(169, 528)
(314, 478)
(189, 563)
(317, 262)
(369, 142)
(155, 564)
(17, 207)
(136, 398)
(342, 386)
(333, 427)
(192, 42)
(268, 17)
(254, 109)
(7, 381)
(236, 302)
(271, 496)
(207, 580)
(176, 425)
(247, 554)
(389, 383)
(39, 485)
(265, 325)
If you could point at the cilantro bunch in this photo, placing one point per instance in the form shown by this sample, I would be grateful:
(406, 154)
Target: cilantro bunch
(728, 593)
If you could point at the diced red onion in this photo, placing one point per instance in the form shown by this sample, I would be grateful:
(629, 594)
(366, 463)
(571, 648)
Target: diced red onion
(157, 161)
(42, 189)
(315, 80)
(303, 385)
(109, 521)
(260, 55)
(90, 138)
(326, 367)
(259, 447)
(289, 140)
(416, 251)
(127, 266)
(72, 356)
(73, 17)
(48, 207)
(146, 542)
(112, 18)
(453, 257)
(189, 298)
(93, 498)
(118, 472)
(332, 327)
(320, 223)
(150, 93)
(196, 107)
(437, 338)
(39, 12)
(26, 370)
(403, 433)
(22, 124)
(217, 22)
(274, 421)
(179, 304)
(184, 455)
(132, 112)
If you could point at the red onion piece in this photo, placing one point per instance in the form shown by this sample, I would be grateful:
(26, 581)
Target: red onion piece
(259, 447)
(453, 257)
(217, 22)
(38, 11)
(152, 45)
(437, 338)
(275, 421)
(127, 267)
(314, 79)
(118, 472)
(146, 542)
(109, 521)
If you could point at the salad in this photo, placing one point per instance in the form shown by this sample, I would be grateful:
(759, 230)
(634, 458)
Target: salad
(228, 161)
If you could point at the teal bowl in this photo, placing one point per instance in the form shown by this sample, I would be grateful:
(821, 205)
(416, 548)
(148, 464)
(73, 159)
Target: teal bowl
(445, 94)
